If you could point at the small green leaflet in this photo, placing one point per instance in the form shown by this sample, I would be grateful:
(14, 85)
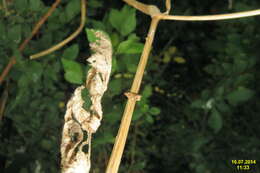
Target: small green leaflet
(35, 5)
(71, 52)
(124, 21)
(91, 35)
(21, 5)
(72, 9)
(116, 86)
(95, 3)
(155, 111)
(73, 71)
(15, 33)
(147, 92)
(85, 96)
(215, 121)
(240, 95)
(130, 47)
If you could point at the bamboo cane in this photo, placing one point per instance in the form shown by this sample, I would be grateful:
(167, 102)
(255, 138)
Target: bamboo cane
(133, 96)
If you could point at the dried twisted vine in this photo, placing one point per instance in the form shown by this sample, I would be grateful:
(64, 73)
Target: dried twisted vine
(77, 119)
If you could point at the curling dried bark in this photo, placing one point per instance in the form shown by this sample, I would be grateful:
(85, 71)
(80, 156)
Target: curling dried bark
(78, 120)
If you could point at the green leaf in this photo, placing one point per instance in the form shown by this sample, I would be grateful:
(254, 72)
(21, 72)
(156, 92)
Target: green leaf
(114, 39)
(220, 91)
(215, 121)
(14, 33)
(31, 72)
(201, 168)
(35, 5)
(73, 77)
(244, 79)
(23, 81)
(144, 108)
(34, 71)
(46, 144)
(137, 115)
(222, 106)
(130, 62)
(71, 52)
(73, 71)
(85, 96)
(72, 9)
(115, 114)
(133, 37)
(210, 69)
(2, 31)
(95, 3)
(240, 65)
(149, 119)
(98, 24)
(199, 142)
(147, 92)
(130, 47)
(104, 139)
(91, 35)
(240, 95)
(227, 67)
(115, 86)
(123, 21)
(131, 67)
(155, 111)
(114, 65)
(21, 5)
(198, 104)
(205, 94)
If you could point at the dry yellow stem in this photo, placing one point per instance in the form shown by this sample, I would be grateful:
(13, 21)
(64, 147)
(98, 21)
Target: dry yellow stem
(119, 144)
(168, 6)
(210, 17)
(147, 10)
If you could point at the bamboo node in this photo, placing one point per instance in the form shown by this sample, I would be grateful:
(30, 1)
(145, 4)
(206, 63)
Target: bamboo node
(132, 95)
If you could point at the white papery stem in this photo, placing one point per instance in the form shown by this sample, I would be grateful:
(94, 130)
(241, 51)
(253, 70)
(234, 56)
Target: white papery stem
(74, 159)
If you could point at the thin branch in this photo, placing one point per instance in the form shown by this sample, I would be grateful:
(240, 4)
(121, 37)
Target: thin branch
(71, 37)
(168, 6)
(3, 101)
(12, 60)
(147, 10)
(7, 68)
(211, 17)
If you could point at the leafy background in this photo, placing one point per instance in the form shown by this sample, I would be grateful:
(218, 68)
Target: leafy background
(200, 94)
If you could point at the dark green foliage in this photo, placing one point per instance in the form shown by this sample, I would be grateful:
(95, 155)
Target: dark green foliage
(123, 21)
(200, 93)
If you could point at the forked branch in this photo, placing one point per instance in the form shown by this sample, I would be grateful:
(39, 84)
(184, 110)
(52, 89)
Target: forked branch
(164, 16)
(211, 17)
